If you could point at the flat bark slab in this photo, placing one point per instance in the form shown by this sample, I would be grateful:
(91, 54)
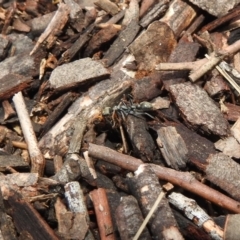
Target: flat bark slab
(198, 109)
(11, 84)
(126, 36)
(147, 49)
(77, 72)
(216, 8)
(12, 161)
(217, 174)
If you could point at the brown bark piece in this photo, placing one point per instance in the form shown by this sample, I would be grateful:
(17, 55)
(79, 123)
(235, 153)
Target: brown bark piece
(12, 161)
(198, 109)
(233, 112)
(77, 46)
(199, 148)
(146, 48)
(71, 225)
(107, 6)
(125, 37)
(77, 72)
(145, 187)
(224, 172)
(54, 27)
(103, 36)
(28, 220)
(155, 13)
(219, 21)
(172, 147)
(216, 85)
(11, 84)
(143, 144)
(147, 88)
(129, 219)
(179, 16)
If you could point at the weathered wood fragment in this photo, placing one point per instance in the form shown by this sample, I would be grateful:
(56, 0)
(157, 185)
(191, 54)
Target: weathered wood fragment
(57, 24)
(131, 13)
(107, 6)
(162, 222)
(11, 84)
(142, 142)
(172, 147)
(100, 38)
(198, 109)
(195, 213)
(58, 111)
(129, 219)
(216, 85)
(70, 224)
(155, 13)
(125, 37)
(217, 174)
(77, 72)
(146, 48)
(229, 146)
(188, 229)
(216, 8)
(147, 88)
(233, 112)
(28, 220)
(12, 161)
(179, 16)
(76, 204)
(77, 46)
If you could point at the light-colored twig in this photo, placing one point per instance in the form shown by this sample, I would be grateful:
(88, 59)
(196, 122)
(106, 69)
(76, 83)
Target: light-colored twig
(198, 69)
(37, 159)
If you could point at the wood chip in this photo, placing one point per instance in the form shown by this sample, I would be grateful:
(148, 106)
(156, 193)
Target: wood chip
(198, 109)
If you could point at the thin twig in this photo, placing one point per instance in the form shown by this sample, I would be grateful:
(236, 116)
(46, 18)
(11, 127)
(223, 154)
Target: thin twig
(154, 207)
(182, 179)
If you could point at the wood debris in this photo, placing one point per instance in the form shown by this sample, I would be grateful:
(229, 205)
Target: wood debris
(119, 119)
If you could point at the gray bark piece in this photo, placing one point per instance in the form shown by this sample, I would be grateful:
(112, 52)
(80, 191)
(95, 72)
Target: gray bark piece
(23, 65)
(78, 72)
(198, 109)
(224, 172)
(217, 8)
